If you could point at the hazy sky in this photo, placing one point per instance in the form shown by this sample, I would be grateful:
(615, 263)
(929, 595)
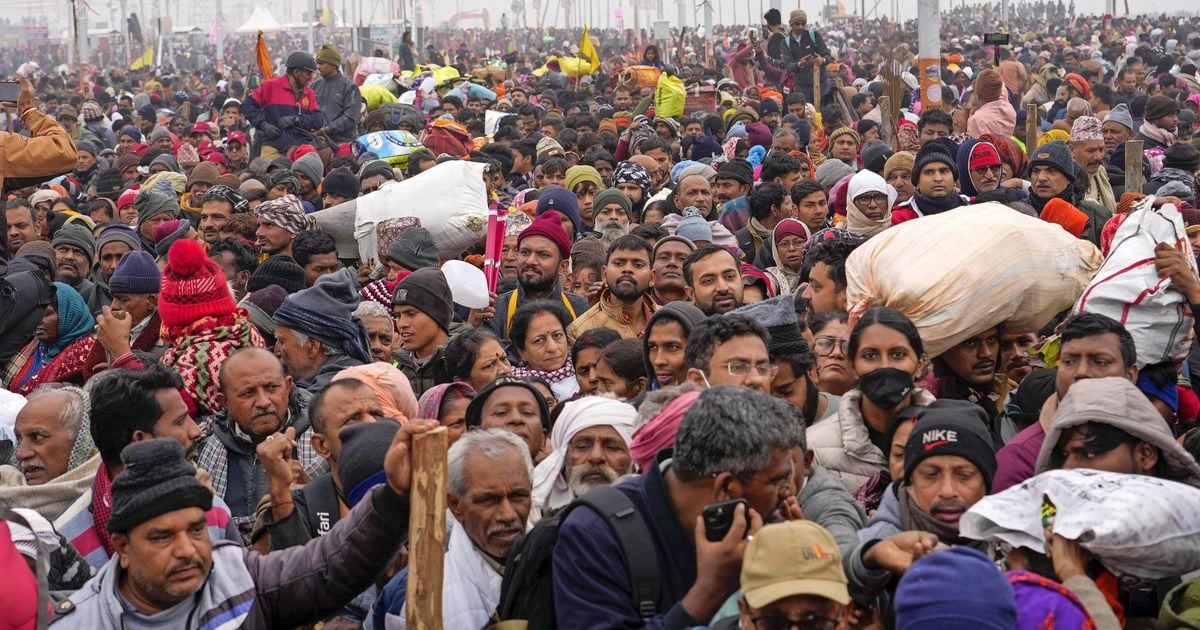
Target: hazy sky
(201, 12)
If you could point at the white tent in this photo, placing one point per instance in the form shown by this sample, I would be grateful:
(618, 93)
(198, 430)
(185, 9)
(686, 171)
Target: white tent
(260, 20)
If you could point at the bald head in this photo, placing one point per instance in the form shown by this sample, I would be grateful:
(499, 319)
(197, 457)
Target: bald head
(249, 357)
(1077, 107)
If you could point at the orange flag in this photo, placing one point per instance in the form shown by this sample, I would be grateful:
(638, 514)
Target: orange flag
(264, 58)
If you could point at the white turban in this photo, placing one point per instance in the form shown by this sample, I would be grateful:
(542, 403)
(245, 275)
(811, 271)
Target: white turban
(550, 488)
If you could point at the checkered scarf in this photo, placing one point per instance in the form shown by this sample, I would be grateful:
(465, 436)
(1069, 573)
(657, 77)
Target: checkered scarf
(632, 173)
(201, 350)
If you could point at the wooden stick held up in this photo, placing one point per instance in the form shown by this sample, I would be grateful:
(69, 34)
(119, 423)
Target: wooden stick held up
(427, 530)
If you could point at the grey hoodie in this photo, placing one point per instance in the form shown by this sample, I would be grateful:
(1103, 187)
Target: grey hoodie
(826, 502)
(686, 313)
(1119, 403)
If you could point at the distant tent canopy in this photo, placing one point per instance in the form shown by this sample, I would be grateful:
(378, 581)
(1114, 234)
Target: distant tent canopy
(260, 20)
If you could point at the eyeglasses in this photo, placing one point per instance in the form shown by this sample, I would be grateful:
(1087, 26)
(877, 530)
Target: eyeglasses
(742, 368)
(824, 346)
(779, 621)
(994, 168)
(871, 199)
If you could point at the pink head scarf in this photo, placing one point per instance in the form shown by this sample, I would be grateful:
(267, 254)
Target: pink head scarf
(391, 386)
(659, 432)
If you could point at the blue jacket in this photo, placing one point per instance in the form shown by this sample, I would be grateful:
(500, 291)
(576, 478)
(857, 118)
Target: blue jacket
(591, 580)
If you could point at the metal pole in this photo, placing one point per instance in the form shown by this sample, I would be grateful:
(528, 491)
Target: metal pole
(220, 31)
(312, 32)
(929, 52)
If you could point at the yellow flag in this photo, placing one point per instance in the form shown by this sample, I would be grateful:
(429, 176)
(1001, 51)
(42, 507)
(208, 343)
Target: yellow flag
(588, 51)
(146, 59)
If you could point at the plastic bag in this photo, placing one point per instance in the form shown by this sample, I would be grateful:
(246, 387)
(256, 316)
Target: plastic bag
(374, 65)
(393, 146)
(969, 269)
(449, 199)
(1136, 525)
(669, 97)
(1128, 289)
(375, 95)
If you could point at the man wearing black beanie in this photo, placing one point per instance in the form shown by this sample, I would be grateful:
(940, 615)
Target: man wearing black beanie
(934, 175)
(423, 307)
(167, 571)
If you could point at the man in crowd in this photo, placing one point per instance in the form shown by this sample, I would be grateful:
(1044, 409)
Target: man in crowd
(23, 223)
(1052, 175)
(316, 335)
(970, 371)
(591, 447)
(666, 271)
(130, 406)
(316, 252)
(158, 494)
(714, 280)
(422, 307)
(338, 97)
(259, 401)
(1162, 120)
(665, 341)
(769, 204)
(934, 174)
(591, 580)
(74, 252)
(284, 110)
(543, 253)
(729, 350)
(279, 221)
(53, 436)
(1087, 148)
(792, 576)
(949, 464)
(217, 208)
(623, 305)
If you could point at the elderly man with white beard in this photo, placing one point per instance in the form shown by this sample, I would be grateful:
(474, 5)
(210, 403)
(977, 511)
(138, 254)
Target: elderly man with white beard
(610, 213)
(591, 448)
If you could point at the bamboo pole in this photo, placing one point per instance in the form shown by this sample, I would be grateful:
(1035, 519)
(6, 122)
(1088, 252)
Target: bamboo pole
(1134, 177)
(1032, 131)
(427, 530)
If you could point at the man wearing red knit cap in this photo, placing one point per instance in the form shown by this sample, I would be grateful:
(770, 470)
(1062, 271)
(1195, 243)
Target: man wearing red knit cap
(543, 255)
(201, 323)
(984, 168)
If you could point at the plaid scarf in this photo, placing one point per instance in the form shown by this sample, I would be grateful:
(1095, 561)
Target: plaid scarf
(199, 352)
(102, 507)
(552, 376)
(19, 364)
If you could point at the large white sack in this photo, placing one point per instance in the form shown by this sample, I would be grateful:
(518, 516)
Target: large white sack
(1128, 288)
(338, 222)
(969, 269)
(449, 199)
(1136, 525)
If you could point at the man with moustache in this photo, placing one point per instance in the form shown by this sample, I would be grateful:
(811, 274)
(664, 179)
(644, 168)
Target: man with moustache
(968, 371)
(714, 280)
(983, 167)
(949, 464)
(591, 448)
(1087, 147)
(543, 254)
(624, 305)
(259, 401)
(732, 184)
(74, 253)
(1052, 173)
(217, 208)
(130, 406)
(666, 270)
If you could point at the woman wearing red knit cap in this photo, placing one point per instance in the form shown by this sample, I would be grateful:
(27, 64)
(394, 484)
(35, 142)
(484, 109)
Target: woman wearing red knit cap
(201, 323)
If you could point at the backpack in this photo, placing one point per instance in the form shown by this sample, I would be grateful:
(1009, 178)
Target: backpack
(527, 592)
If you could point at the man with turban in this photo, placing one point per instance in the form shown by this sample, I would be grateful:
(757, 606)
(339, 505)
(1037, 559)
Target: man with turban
(279, 221)
(591, 447)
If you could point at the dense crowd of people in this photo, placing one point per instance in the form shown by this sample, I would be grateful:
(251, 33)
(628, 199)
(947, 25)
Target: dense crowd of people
(670, 412)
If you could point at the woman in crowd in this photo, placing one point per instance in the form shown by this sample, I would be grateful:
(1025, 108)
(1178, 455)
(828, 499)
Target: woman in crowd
(476, 357)
(887, 355)
(539, 336)
(788, 238)
(620, 371)
(584, 354)
(869, 210)
(835, 375)
(447, 403)
(66, 319)
(514, 405)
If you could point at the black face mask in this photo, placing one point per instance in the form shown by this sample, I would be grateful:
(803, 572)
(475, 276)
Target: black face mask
(886, 387)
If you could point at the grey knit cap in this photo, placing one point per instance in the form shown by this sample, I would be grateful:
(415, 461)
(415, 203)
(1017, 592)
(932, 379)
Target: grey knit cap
(151, 203)
(76, 236)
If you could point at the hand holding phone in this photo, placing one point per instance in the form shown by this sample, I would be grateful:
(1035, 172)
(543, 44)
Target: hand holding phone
(718, 518)
(10, 91)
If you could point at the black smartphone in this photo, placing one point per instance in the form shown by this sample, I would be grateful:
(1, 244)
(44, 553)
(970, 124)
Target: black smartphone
(718, 518)
(9, 91)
